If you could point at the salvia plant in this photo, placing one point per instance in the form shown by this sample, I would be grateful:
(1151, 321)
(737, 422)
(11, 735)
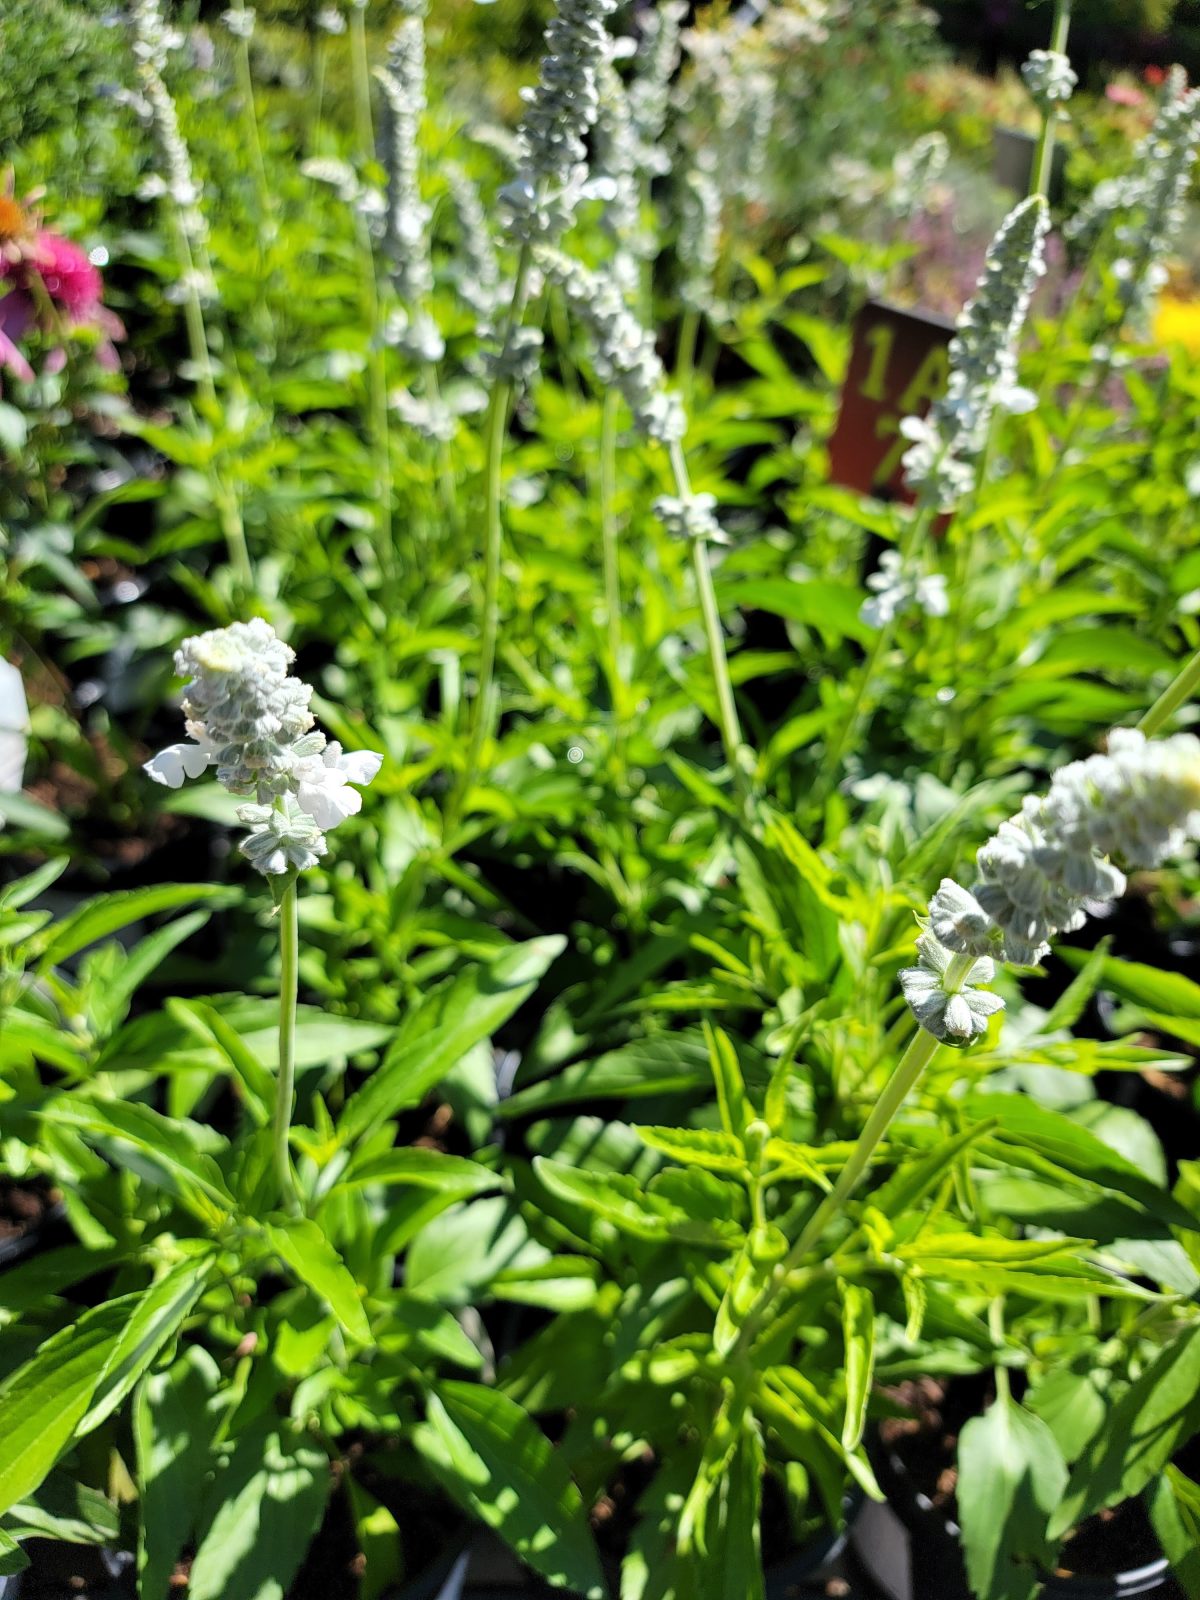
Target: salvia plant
(561, 971)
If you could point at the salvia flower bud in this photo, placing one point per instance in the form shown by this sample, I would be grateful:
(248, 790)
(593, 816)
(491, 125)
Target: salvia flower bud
(953, 1013)
(690, 516)
(1049, 77)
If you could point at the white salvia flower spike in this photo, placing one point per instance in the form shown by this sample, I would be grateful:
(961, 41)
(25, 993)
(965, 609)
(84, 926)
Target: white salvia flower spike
(983, 363)
(1046, 867)
(623, 351)
(248, 717)
(560, 109)
(408, 217)
(152, 42)
(901, 587)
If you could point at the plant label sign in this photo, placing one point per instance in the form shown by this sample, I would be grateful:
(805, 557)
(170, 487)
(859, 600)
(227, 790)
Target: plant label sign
(899, 364)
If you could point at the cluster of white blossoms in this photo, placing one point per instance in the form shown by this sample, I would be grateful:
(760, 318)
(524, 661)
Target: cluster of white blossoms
(1049, 77)
(247, 716)
(900, 586)
(690, 516)
(560, 109)
(238, 24)
(623, 351)
(1048, 866)
(939, 465)
(152, 42)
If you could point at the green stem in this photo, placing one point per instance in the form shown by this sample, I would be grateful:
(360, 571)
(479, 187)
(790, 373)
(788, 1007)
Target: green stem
(364, 127)
(497, 428)
(920, 1052)
(996, 1329)
(861, 705)
(685, 357)
(608, 536)
(285, 1085)
(1180, 690)
(1044, 159)
(447, 487)
(727, 717)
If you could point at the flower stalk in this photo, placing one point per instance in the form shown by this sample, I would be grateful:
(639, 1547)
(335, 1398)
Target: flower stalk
(285, 1082)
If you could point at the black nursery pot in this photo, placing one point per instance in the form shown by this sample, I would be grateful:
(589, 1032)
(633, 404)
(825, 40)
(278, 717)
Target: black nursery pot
(910, 1548)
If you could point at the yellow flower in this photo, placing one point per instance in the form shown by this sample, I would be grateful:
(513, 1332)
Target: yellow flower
(1177, 322)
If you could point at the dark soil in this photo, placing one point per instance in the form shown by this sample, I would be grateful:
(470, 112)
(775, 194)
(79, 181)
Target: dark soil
(24, 1207)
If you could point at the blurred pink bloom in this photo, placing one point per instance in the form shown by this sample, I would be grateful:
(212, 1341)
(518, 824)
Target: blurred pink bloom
(52, 269)
(1122, 94)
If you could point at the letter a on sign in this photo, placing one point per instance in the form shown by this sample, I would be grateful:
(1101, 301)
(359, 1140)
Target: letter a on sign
(899, 364)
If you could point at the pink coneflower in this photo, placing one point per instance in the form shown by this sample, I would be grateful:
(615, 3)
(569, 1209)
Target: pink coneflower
(53, 283)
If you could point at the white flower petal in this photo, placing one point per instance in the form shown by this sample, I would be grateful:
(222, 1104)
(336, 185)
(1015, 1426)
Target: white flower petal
(178, 761)
(360, 766)
(329, 804)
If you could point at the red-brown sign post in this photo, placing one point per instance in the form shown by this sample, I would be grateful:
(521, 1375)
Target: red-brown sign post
(898, 366)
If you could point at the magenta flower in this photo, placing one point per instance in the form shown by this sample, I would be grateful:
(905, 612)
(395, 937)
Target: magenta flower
(54, 285)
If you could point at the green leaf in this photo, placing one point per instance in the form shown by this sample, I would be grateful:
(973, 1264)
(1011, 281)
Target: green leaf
(155, 1319)
(305, 1249)
(730, 1563)
(858, 1334)
(1175, 1513)
(272, 1497)
(425, 1169)
(673, 1063)
(1010, 1477)
(1068, 1008)
(1168, 992)
(727, 1076)
(169, 1152)
(832, 609)
(1066, 1144)
(457, 1255)
(43, 1401)
(107, 913)
(710, 1148)
(1155, 1414)
(625, 1203)
(110, 1003)
(911, 1182)
(452, 1022)
(12, 1558)
(69, 1511)
(255, 1080)
(172, 1430)
(487, 1453)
